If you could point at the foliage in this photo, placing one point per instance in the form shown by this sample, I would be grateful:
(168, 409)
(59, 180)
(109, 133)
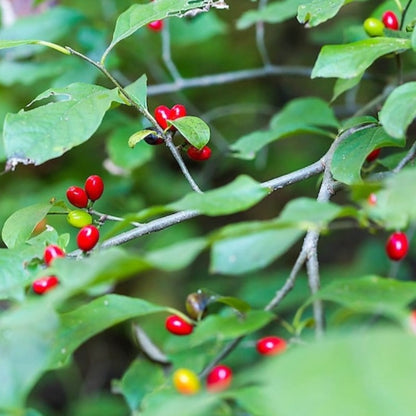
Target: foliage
(79, 85)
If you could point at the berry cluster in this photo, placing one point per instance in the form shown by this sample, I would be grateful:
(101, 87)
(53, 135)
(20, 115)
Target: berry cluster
(375, 27)
(88, 235)
(165, 114)
(43, 284)
(219, 378)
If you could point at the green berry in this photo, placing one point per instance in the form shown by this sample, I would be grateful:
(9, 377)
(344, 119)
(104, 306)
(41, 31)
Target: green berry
(79, 218)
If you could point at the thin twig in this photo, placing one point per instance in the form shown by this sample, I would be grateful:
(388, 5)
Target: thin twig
(227, 77)
(167, 53)
(260, 40)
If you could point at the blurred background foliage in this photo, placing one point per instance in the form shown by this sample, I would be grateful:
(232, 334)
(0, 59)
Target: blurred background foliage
(146, 176)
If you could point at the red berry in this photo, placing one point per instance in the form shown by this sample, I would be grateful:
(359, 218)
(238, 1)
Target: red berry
(196, 154)
(163, 114)
(397, 246)
(271, 345)
(94, 187)
(88, 237)
(372, 199)
(77, 196)
(52, 252)
(156, 26)
(42, 285)
(177, 111)
(373, 155)
(178, 326)
(412, 321)
(219, 378)
(390, 20)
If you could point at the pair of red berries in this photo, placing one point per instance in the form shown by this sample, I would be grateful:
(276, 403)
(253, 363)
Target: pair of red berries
(269, 345)
(397, 246)
(42, 285)
(93, 189)
(165, 114)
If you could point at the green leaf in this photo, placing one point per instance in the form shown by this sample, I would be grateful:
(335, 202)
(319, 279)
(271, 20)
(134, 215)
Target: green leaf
(90, 319)
(138, 91)
(371, 294)
(399, 110)
(25, 344)
(139, 15)
(309, 213)
(276, 12)
(252, 251)
(352, 59)
(229, 327)
(356, 383)
(316, 12)
(20, 225)
(141, 378)
(139, 136)
(342, 85)
(176, 256)
(239, 195)
(193, 129)
(351, 153)
(105, 266)
(50, 130)
(396, 203)
(315, 114)
(235, 303)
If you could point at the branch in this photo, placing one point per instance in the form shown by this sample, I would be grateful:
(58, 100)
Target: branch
(227, 77)
(169, 220)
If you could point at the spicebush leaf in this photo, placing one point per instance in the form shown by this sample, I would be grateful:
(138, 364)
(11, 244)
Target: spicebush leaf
(371, 294)
(351, 369)
(316, 12)
(20, 225)
(27, 335)
(139, 15)
(138, 91)
(275, 12)
(396, 202)
(316, 114)
(399, 110)
(193, 129)
(48, 131)
(239, 195)
(352, 59)
(90, 319)
(351, 153)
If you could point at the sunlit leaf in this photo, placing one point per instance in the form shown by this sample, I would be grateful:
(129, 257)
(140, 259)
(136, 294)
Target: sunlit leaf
(351, 153)
(193, 129)
(352, 59)
(399, 110)
(48, 131)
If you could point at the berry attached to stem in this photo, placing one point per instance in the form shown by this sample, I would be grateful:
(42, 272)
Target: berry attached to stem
(397, 246)
(79, 218)
(219, 378)
(199, 155)
(94, 187)
(373, 27)
(77, 196)
(88, 237)
(390, 20)
(271, 345)
(178, 326)
(163, 114)
(42, 285)
(373, 155)
(52, 252)
(186, 381)
(156, 26)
